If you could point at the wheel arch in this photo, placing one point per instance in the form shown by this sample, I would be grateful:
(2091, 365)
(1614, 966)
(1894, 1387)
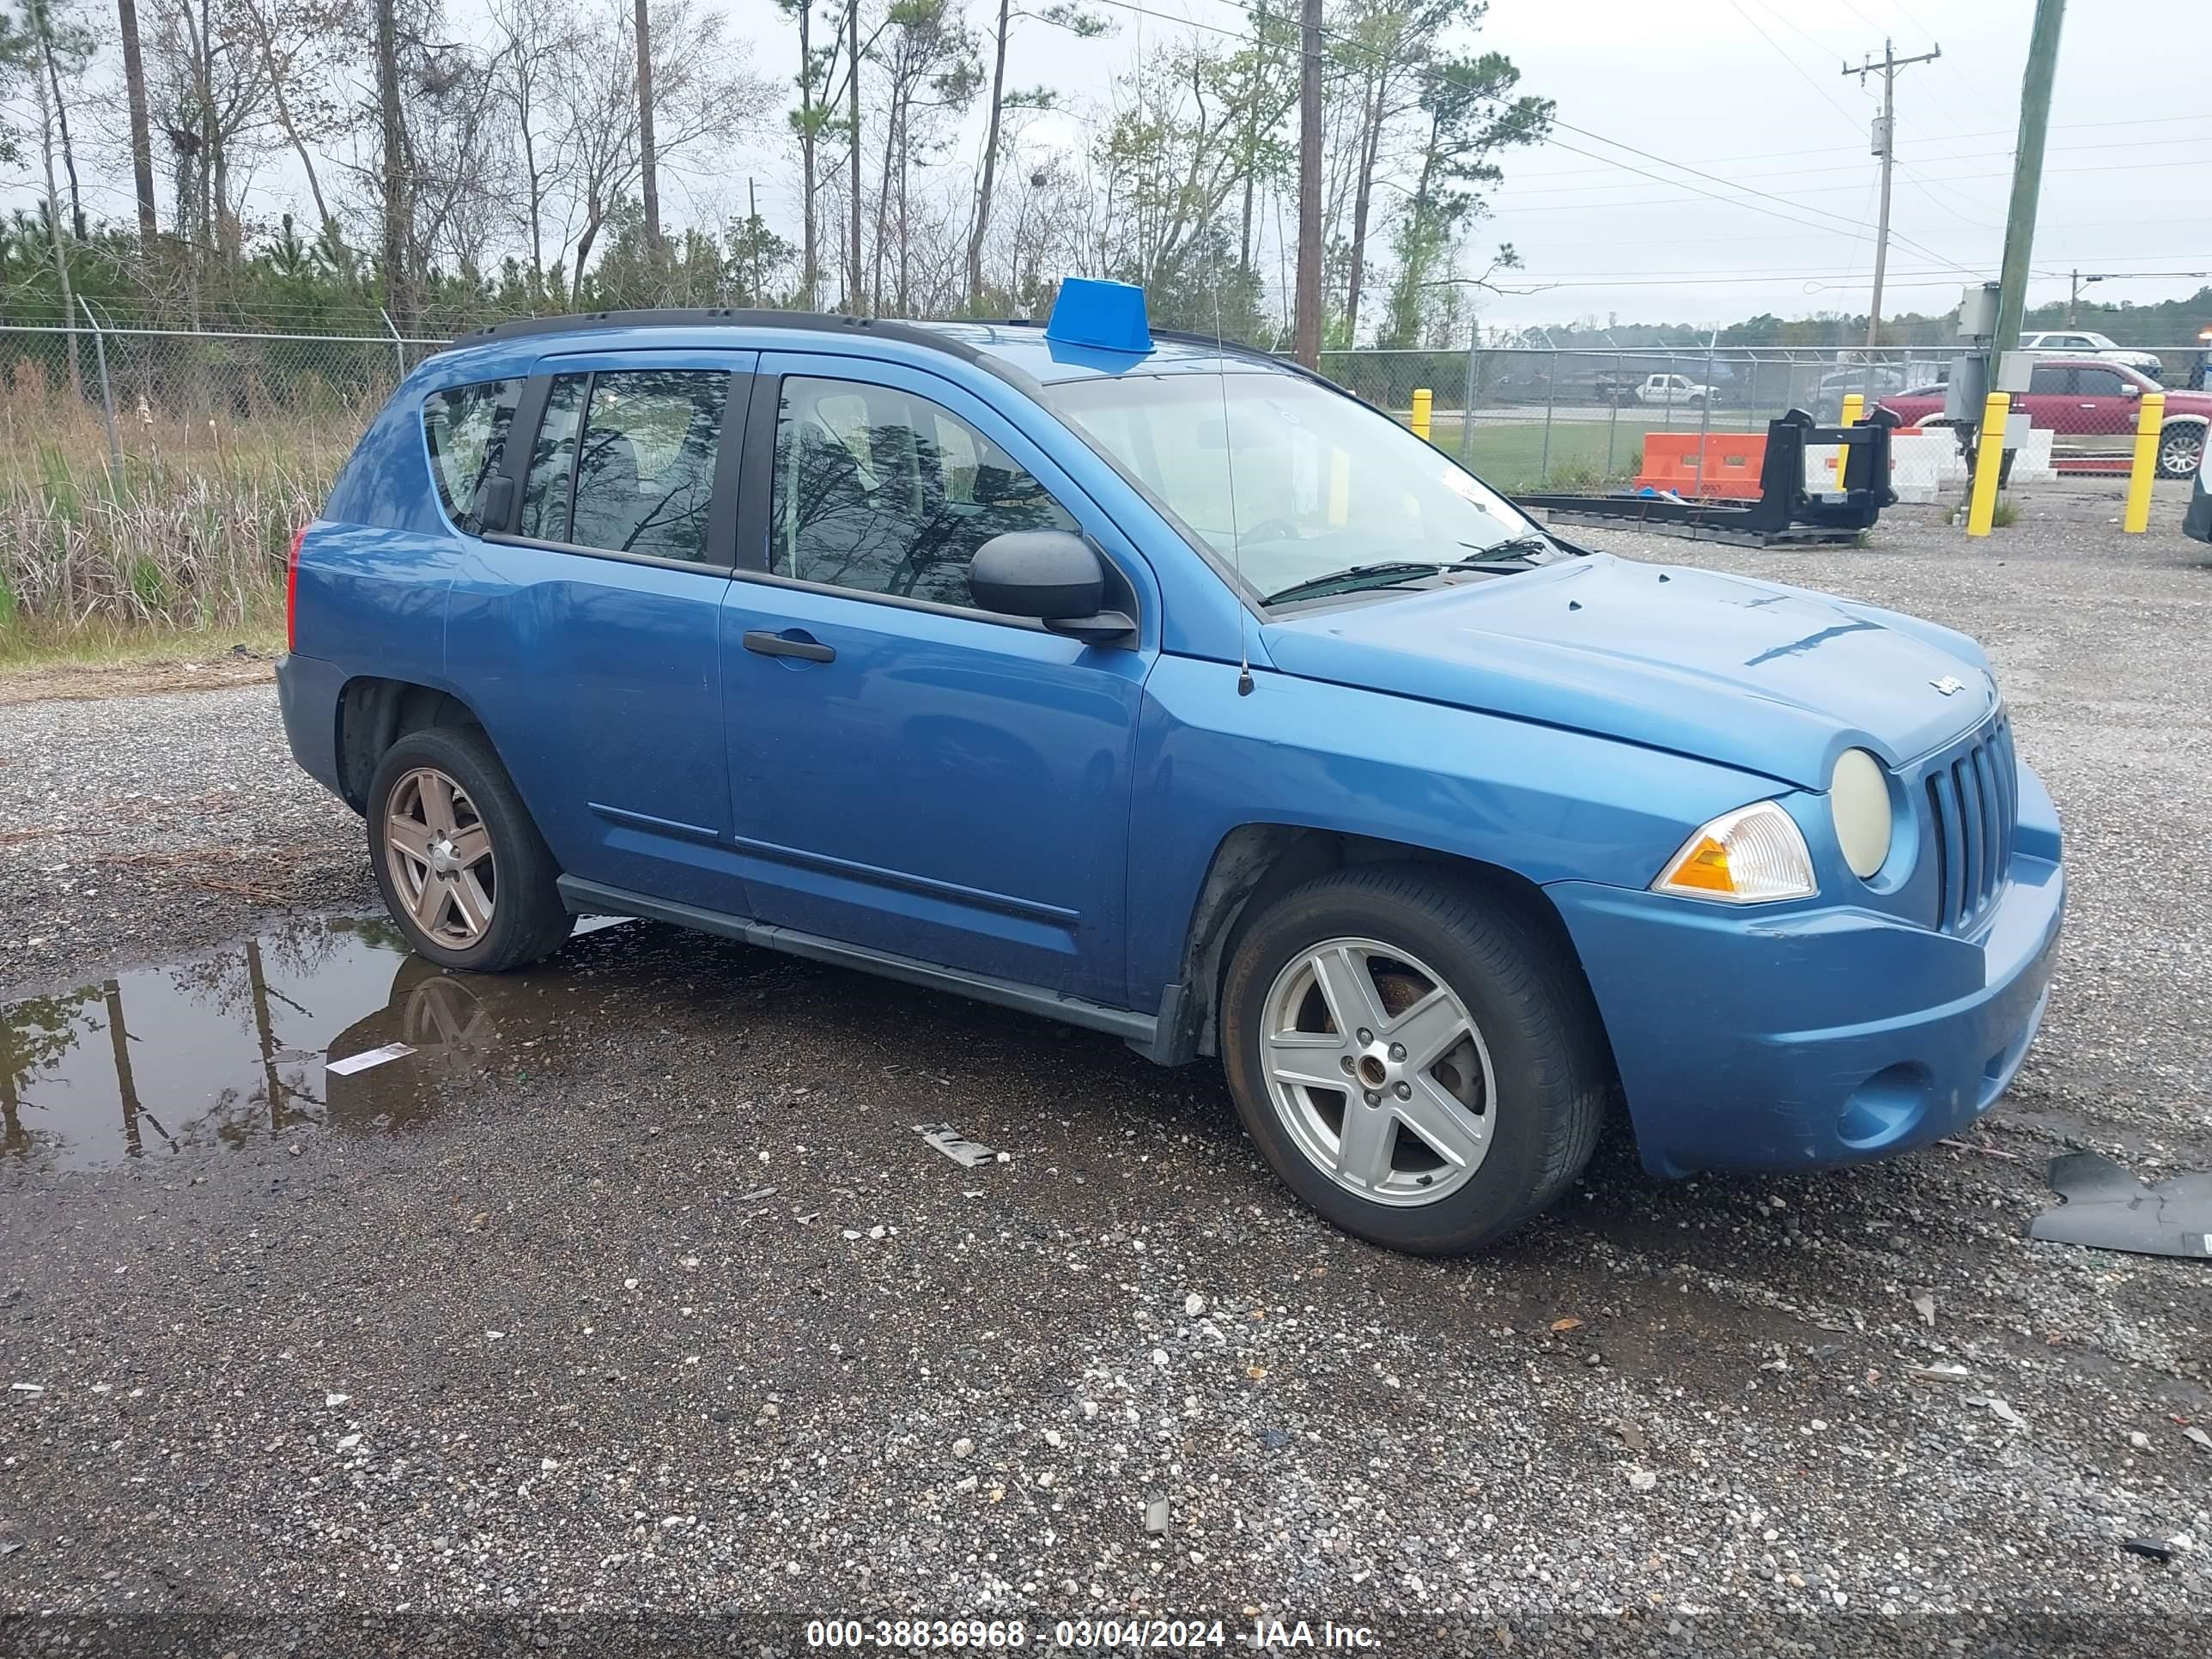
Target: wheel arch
(374, 713)
(1255, 863)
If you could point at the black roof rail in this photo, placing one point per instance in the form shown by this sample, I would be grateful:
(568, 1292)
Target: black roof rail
(717, 316)
(745, 317)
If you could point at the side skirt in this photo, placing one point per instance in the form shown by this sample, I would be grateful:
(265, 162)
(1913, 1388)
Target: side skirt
(1140, 1031)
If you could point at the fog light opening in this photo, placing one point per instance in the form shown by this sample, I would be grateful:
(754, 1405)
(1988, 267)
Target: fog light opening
(1885, 1107)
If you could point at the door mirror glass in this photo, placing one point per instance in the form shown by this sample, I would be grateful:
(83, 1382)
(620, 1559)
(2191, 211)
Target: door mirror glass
(1047, 574)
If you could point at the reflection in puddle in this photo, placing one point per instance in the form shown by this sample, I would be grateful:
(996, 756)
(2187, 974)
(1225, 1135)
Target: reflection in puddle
(229, 1048)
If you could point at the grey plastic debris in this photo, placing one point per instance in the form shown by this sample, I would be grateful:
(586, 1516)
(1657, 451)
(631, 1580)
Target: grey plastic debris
(948, 1140)
(1925, 1305)
(2103, 1206)
(1156, 1515)
(2157, 1548)
(2197, 1436)
(2001, 1409)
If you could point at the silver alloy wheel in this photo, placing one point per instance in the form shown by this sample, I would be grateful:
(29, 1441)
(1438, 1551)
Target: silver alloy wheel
(1378, 1071)
(439, 854)
(2180, 451)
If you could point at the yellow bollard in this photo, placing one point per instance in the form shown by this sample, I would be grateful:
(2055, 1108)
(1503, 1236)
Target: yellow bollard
(1989, 461)
(1424, 401)
(1854, 409)
(2148, 424)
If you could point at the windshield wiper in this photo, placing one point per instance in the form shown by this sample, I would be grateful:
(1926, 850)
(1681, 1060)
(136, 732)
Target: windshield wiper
(1353, 578)
(1514, 553)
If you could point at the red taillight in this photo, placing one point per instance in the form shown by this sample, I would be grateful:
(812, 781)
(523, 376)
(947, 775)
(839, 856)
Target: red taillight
(292, 591)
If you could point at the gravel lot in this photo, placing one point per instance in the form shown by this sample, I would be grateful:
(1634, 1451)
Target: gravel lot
(648, 1300)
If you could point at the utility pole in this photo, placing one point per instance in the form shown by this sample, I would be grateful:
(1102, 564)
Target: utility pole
(1305, 325)
(2027, 182)
(1885, 146)
(2073, 295)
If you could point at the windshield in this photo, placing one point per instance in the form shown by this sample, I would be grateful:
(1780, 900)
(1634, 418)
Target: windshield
(1319, 483)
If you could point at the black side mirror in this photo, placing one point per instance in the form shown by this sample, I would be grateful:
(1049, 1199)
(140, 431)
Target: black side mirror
(1052, 576)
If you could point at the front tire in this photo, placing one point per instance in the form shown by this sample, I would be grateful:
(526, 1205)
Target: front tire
(1416, 1060)
(461, 866)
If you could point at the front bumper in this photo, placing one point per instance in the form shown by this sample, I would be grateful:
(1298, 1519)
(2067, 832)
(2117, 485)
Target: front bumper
(1790, 1041)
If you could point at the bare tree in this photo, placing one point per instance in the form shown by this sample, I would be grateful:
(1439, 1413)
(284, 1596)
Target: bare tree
(142, 139)
(1064, 15)
(703, 93)
(647, 175)
(533, 37)
(392, 132)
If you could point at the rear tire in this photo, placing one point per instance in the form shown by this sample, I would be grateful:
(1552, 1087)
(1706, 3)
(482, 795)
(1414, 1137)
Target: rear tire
(1434, 1153)
(2181, 448)
(457, 857)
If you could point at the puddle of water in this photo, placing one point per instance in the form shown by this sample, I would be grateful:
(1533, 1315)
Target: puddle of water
(230, 1048)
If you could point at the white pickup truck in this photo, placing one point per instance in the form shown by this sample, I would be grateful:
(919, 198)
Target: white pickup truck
(1673, 389)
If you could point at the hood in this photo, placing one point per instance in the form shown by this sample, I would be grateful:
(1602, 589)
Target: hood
(1767, 678)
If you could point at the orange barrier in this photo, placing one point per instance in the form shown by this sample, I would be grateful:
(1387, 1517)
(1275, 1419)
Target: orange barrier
(1732, 464)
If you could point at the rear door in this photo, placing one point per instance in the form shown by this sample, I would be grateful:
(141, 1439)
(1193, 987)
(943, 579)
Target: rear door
(2106, 409)
(587, 630)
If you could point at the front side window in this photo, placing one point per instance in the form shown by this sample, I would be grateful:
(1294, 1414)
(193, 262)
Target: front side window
(466, 427)
(885, 492)
(2100, 383)
(1287, 481)
(625, 461)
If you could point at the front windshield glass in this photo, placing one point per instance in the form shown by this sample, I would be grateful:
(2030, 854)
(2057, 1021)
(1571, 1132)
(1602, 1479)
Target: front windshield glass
(1320, 483)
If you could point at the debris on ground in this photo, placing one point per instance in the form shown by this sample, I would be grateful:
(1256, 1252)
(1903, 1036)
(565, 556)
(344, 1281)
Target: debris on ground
(1998, 1408)
(955, 1146)
(2156, 1548)
(2103, 1206)
(367, 1058)
(1156, 1515)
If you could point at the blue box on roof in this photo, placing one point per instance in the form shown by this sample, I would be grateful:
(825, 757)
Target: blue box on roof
(1109, 316)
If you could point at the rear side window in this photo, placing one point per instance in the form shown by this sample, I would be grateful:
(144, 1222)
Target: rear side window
(624, 461)
(466, 427)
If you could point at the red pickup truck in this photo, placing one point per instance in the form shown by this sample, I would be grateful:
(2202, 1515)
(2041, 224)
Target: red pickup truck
(2091, 407)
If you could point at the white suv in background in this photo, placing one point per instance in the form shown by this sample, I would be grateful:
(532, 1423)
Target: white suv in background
(2073, 343)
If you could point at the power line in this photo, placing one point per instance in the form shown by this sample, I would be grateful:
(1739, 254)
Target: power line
(1580, 132)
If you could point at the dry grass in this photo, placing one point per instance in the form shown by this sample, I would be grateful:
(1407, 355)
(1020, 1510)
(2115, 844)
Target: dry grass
(189, 538)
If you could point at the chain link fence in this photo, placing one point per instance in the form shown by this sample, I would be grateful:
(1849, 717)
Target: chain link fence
(155, 475)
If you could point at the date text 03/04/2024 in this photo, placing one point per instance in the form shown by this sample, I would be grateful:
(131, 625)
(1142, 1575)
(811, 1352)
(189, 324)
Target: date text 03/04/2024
(1094, 1635)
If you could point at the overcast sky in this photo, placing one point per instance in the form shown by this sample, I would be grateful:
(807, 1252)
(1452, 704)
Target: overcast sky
(1751, 91)
(1747, 92)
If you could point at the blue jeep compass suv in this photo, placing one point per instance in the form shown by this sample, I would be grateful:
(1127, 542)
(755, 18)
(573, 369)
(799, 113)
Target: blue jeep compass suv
(1166, 689)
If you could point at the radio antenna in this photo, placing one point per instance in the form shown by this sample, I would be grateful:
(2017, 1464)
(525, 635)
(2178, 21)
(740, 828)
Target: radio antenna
(1228, 465)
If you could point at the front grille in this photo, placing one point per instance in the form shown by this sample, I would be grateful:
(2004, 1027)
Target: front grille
(1973, 802)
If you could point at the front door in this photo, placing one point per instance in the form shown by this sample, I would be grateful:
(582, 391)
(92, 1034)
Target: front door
(589, 635)
(909, 772)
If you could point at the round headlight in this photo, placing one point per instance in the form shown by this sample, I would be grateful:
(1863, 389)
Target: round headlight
(1859, 797)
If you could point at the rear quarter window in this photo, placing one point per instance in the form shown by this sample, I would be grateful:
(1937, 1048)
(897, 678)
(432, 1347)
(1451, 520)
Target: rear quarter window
(466, 427)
